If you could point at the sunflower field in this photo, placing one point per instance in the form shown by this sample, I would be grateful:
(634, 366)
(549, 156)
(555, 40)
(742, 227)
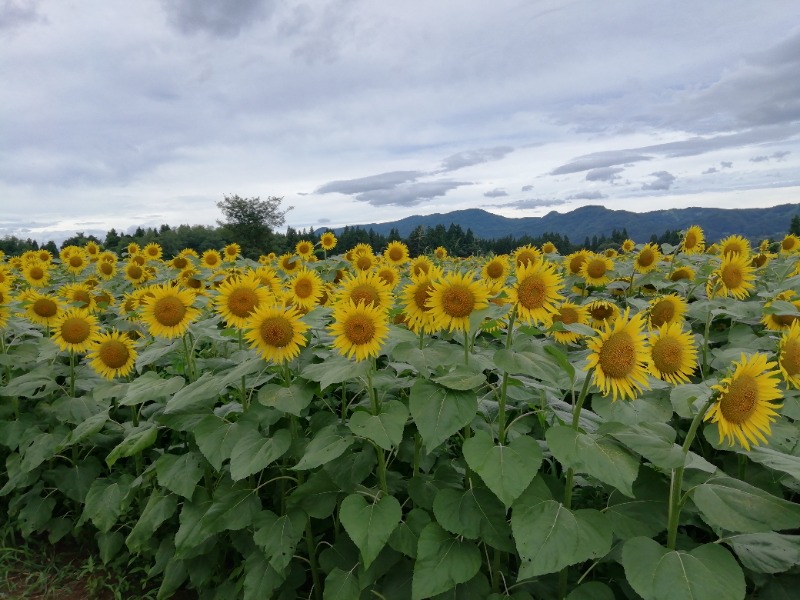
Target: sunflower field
(370, 425)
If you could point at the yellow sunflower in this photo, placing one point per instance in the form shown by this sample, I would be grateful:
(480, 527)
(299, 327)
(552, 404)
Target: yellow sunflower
(789, 355)
(734, 244)
(211, 259)
(595, 270)
(396, 253)
(231, 252)
(682, 273)
(415, 295)
(78, 294)
(276, 332)
(190, 278)
(790, 244)
(735, 276)
(775, 322)
(169, 311)
(44, 255)
(694, 241)
(269, 278)
(647, 258)
(153, 251)
(42, 309)
(549, 248)
(574, 262)
(133, 248)
(366, 287)
(673, 355)
(610, 253)
(763, 246)
(628, 245)
(496, 269)
(75, 330)
(602, 313)
(238, 298)
(455, 296)
(136, 274)
(745, 408)
(619, 357)
(37, 274)
(761, 259)
(536, 290)
(526, 255)
(304, 249)
(289, 263)
(389, 275)
(105, 270)
(112, 354)
(328, 241)
(358, 330)
(76, 261)
(364, 261)
(567, 313)
(440, 252)
(306, 289)
(666, 310)
(420, 265)
(6, 276)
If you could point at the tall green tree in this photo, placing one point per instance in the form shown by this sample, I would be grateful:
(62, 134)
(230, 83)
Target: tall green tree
(794, 226)
(251, 221)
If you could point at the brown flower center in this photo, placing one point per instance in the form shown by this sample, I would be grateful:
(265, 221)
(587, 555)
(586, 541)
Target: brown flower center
(531, 292)
(646, 258)
(458, 301)
(359, 329)
(114, 354)
(366, 294)
(596, 268)
(242, 302)
(667, 355)
(44, 307)
(75, 330)
(739, 402)
(732, 276)
(662, 312)
(303, 288)
(169, 311)
(276, 331)
(618, 355)
(494, 269)
(421, 295)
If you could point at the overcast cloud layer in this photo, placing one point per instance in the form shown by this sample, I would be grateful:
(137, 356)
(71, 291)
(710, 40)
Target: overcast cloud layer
(118, 114)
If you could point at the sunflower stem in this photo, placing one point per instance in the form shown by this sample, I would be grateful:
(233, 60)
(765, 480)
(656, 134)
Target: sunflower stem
(501, 410)
(244, 385)
(421, 338)
(71, 373)
(344, 402)
(466, 347)
(676, 481)
(376, 409)
(706, 334)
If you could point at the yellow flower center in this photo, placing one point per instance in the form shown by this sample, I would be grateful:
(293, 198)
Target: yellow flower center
(531, 292)
(75, 330)
(458, 301)
(618, 355)
(276, 331)
(739, 402)
(169, 311)
(790, 357)
(662, 312)
(44, 307)
(732, 276)
(667, 355)
(114, 354)
(359, 329)
(366, 294)
(242, 302)
(596, 268)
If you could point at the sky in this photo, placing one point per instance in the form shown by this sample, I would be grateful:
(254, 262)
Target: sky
(123, 114)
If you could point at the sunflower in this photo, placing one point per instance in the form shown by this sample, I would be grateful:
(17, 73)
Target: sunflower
(68, 251)
(190, 278)
(734, 244)
(694, 240)
(105, 270)
(364, 261)
(44, 255)
(573, 262)
(549, 248)
(536, 291)
(682, 273)
(268, 278)
(415, 295)
(37, 274)
(734, 277)
(231, 252)
(389, 275)
(211, 259)
(647, 258)
(103, 298)
(289, 263)
(153, 251)
(328, 241)
(602, 313)
(238, 298)
(790, 244)
(745, 409)
(566, 313)
(358, 330)
(304, 249)
(76, 261)
(396, 253)
(628, 245)
(306, 289)
(276, 332)
(6, 277)
(78, 294)
(666, 310)
(775, 322)
(440, 252)
(761, 259)
(789, 355)
(138, 259)
(42, 309)
(136, 274)
(366, 287)
(75, 330)
(169, 311)
(764, 246)
(133, 248)
(453, 299)
(672, 354)
(112, 354)
(496, 269)
(526, 255)
(619, 357)
(610, 253)
(420, 265)
(595, 270)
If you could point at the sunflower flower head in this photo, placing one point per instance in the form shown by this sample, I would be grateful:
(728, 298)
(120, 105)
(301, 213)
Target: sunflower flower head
(735, 276)
(358, 330)
(536, 291)
(239, 297)
(75, 330)
(789, 355)
(453, 299)
(672, 353)
(276, 332)
(694, 241)
(168, 311)
(112, 354)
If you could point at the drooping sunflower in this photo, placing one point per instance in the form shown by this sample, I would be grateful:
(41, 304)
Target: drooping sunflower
(75, 330)
(734, 244)
(536, 290)
(211, 259)
(289, 263)
(37, 274)
(789, 355)
(694, 240)
(304, 249)
(745, 408)
(138, 259)
(191, 279)
(602, 313)
(761, 259)
(239, 297)
(619, 357)
(415, 295)
(328, 241)
(682, 273)
(666, 310)
(153, 251)
(526, 255)
(358, 330)
(777, 322)
(790, 244)
(366, 287)
(453, 299)
(647, 258)
(420, 265)
(231, 252)
(305, 288)
(396, 253)
(389, 275)
(169, 311)
(673, 355)
(595, 270)
(610, 253)
(42, 309)
(573, 262)
(735, 276)
(276, 332)
(496, 269)
(136, 274)
(628, 245)
(440, 252)
(112, 354)
(549, 248)
(567, 313)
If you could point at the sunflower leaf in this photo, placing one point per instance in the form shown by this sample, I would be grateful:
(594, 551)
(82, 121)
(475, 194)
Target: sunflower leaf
(439, 412)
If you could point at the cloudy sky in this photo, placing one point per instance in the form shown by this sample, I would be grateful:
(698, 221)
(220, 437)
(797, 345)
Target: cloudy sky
(117, 114)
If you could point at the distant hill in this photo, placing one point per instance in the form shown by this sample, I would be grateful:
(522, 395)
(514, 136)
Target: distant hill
(587, 221)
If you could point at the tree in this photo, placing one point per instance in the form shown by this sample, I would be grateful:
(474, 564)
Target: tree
(250, 221)
(794, 227)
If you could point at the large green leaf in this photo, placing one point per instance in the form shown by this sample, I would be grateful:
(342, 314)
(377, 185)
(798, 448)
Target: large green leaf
(330, 442)
(654, 441)
(743, 508)
(593, 590)
(461, 377)
(278, 536)
(342, 585)
(385, 428)
(179, 473)
(507, 469)
(43, 447)
(87, 428)
(254, 451)
(476, 514)
(335, 369)
(439, 412)
(137, 440)
(150, 386)
(651, 408)
(158, 509)
(292, 399)
(443, 561)
(233, 507)
(215, 438)
(370, 524)
(261, 579)
(769, 552)
(425, 360)
(708, 572)
(595, 454)
(197, 397)
(774, 459)
(106, 500)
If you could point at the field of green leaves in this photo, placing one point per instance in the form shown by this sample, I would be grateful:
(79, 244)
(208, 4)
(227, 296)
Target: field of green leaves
(368, 425)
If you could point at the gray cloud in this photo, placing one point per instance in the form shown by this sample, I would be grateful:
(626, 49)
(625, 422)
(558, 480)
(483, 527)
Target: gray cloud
(664, 181)
(710, 170)
(495, 193)
(223, 19)
(598, 160)
(595, 195)
(409, 194)
(381, 181)
(532, 203)
(323, 221)
(762, 158)
(780, 154)
(726, 164)
(604, 174)
(469, 158)
(16, 14)
(526, 188)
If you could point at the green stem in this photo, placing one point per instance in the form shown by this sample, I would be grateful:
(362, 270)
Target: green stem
(706, 334)
(244, 385)
(376, 409)
(421, 337)
(676, 482)
(344, 402)
(417, 452)
(501, 410)
(466, 347)
(312, 560)
(188, 369)
(71, 373)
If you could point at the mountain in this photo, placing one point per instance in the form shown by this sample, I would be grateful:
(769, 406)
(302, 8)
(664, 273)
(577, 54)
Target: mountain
(587, 221)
